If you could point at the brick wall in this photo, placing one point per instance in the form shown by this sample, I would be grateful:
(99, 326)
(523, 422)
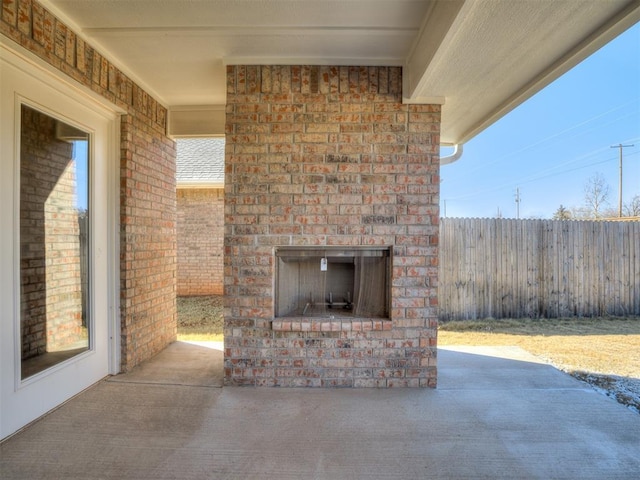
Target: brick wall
(329, 156)
(200, 227)
(147, 172)
(148, 240)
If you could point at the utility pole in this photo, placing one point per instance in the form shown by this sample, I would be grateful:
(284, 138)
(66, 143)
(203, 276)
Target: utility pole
(620, 146)
(518, 203)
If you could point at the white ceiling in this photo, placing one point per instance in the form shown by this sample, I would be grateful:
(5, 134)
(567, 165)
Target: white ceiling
(480, 58)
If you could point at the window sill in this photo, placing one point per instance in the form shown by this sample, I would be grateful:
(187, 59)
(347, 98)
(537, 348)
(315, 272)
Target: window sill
(293, 324)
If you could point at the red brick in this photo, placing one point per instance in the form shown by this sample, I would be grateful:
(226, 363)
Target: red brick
(336, 110)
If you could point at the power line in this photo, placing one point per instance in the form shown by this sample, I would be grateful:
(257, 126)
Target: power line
(525, 180)
(580, 167)
(560, 135)
(539, 176)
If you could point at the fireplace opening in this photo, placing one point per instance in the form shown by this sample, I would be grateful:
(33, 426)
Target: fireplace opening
(333, 282)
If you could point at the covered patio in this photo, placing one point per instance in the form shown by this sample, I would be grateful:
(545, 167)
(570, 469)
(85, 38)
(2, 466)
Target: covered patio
(334, 113)
(498, 413)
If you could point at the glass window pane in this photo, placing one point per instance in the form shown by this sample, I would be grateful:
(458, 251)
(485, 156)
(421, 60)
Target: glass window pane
(54, 241)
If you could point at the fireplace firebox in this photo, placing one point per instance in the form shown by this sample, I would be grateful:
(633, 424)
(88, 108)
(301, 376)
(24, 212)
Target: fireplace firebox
(332, 282)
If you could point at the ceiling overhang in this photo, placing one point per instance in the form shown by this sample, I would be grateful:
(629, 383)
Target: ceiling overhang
(196, 120)
(495, 55)
(479, 59)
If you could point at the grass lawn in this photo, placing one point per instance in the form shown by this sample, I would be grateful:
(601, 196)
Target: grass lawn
(200, 319)
(598, 345)
(604, 352)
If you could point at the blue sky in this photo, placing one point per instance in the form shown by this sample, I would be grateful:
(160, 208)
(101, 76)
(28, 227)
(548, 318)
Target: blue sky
(81, 156)
(549, 147)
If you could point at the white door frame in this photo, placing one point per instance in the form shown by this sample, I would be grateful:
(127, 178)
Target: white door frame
(51, 91)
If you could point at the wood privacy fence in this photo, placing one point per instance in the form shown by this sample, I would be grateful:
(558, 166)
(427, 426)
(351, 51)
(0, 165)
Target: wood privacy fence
(499, 268)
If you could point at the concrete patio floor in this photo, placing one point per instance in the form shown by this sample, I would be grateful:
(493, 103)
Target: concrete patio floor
(498, 413)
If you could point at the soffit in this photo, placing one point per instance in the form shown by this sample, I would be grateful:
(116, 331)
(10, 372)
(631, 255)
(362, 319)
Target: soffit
(480, 58)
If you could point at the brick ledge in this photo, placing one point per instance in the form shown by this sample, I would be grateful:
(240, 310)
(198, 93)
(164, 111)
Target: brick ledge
(331, 325)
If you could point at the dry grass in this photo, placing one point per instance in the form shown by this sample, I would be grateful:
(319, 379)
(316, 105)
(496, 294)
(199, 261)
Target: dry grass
(200, 318)
(597, 345)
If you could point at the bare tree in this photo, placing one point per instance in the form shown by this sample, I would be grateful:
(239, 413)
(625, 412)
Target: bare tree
(632, 209)
(596, 194)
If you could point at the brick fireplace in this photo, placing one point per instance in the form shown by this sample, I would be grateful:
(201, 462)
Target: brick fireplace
(325, 167)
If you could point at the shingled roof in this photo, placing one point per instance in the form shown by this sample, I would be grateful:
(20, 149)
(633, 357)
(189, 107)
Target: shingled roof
(200, 162)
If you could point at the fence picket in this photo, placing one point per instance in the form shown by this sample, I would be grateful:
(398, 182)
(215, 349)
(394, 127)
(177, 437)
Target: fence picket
(538, 268)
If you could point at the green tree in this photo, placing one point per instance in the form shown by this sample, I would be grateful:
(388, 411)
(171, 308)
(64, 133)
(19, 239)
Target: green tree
(562, 214)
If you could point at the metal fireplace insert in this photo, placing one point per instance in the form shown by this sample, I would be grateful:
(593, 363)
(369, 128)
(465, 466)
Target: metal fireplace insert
(333, 282)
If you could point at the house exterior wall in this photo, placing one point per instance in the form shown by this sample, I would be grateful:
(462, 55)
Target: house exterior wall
(329, 156)
(147, 175)
(200, 214)
(147, 239)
